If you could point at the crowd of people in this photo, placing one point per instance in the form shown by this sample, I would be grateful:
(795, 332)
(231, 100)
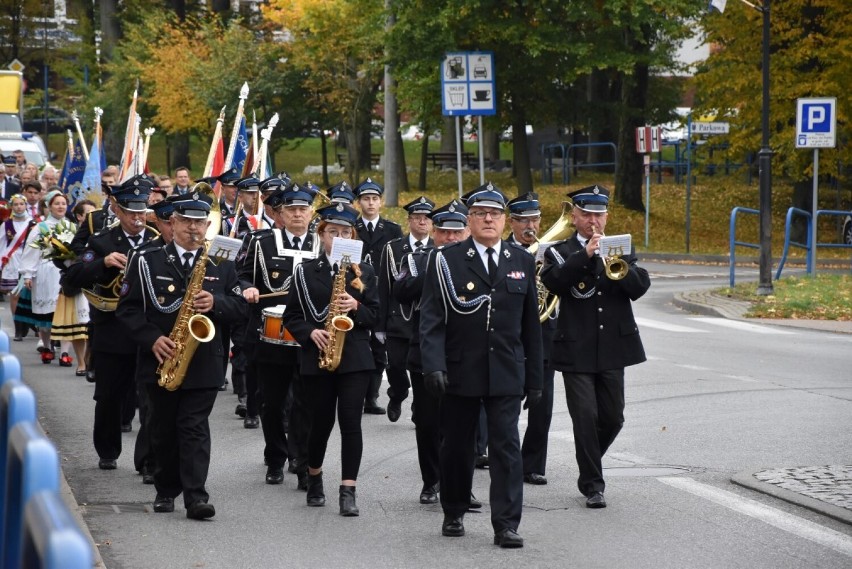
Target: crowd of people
(322, 299)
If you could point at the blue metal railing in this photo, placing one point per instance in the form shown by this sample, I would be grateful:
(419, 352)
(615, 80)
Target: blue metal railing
(733, 242)
(571, 147)
(811, 251)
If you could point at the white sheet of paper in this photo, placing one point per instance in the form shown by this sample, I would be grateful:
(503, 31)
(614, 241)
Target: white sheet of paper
(341, 247)
(616, 245)
(225, 247)
(542, 249)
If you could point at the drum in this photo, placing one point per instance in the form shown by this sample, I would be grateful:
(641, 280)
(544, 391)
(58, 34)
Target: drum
(272, 328)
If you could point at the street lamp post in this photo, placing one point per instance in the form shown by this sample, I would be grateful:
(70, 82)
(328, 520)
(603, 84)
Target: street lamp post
(764, 162)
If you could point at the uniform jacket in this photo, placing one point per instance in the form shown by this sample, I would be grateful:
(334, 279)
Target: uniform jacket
(264, 269)
(496, 350)
(312, 285)
(407, 292)
(95, 222)
(391, 320)
(11, 188)
(91, 273)
(548, 327)
(155, 278)
(595, 330)
(383, 231)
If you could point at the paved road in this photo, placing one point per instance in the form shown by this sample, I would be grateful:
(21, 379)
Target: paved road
(715, 399)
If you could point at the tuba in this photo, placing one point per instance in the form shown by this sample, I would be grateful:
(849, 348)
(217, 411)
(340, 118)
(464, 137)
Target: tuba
(561, 229)
(337, 324)
(191, 328)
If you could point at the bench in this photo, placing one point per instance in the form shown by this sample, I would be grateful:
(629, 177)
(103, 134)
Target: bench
(450, 159)
(375, 159)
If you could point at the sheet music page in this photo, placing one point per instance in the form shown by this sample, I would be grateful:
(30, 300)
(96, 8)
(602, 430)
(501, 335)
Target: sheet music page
(542, 249)
(341, 246)
(225, 248)
(616, 245)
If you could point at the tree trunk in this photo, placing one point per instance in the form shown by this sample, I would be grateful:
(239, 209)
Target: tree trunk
(520, 154)
(110, 30)
(448, 135)
(401, 170)
(324, 146)
(424, 157)
(490, 146)
(180, 150)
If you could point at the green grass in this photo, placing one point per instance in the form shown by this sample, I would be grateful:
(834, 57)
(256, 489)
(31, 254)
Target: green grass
(824, 297)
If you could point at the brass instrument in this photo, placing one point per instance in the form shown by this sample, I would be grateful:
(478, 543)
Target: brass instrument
(614, 266)
(337, 324)
(102, 302)
(191, 328)
(561, 229)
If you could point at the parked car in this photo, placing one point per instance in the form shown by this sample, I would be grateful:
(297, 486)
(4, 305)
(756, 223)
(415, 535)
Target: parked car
(847, 230)
(32, 150)
(58, 120)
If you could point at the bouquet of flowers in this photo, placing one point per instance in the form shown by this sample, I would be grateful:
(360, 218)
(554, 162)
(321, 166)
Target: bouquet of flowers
(54, 242)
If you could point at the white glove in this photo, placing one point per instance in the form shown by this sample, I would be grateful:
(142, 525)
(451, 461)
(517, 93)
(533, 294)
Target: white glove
(380, 336)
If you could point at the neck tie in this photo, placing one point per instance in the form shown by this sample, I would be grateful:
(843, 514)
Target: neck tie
(492, 264)
(188, 257)
(296, 243)
(370, 229)
(134, 240)
(418, 245)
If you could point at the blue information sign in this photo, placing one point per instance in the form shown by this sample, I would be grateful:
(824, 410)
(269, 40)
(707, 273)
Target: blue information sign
(467, 83)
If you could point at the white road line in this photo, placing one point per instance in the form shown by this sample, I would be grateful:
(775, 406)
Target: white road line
(772, 516)
(693, 367)
(647, 323)
(741, 378)
(744, 326)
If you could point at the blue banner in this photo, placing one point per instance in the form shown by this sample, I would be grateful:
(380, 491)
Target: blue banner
(241, 148)
(74, 171)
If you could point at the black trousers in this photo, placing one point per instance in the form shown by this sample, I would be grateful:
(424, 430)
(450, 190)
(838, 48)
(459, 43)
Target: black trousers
(299, 422)
(398, 382)
(274, 380)
(534, 447)
(380, 357)
(343, 393)
(114, 379)
(426, 430)
(180, 436)
(596, 405)
(459, 416)
(143, 454)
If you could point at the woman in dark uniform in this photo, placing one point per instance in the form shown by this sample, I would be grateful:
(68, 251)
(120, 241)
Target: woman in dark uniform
(344, 388)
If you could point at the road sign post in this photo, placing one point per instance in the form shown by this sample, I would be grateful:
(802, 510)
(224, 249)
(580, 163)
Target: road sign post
(647, 142)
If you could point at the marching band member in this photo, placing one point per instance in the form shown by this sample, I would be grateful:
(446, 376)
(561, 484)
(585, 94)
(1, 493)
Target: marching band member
(480, 341)
(375, 232)
(266, 278)
(152, 299)
(228, 202)
(100, 269)
(596, 336)
(317, 295)
(394, 330)
(449, 226)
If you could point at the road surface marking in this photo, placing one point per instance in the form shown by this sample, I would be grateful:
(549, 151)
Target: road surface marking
(744, 326)
(767, 514)
(668, 327)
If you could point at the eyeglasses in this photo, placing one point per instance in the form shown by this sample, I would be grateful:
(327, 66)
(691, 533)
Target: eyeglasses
(527, 220)
(191, 220)
(495, 214)
(346, 233)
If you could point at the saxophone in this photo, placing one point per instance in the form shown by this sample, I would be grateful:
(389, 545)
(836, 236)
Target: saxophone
(337, 324)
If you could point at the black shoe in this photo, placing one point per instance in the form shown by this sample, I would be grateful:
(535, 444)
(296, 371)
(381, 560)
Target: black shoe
(348, 508)
(481, 461)
(536, 479)
(241, 407)
(429, 494)
(394, 410)
(251, 422)
(508, 539)
(18, 339)
(371, 407)
(292, 467)
(163, 505)
(128, 428)
(90, 375)
(596, 500)
(224, 386)
(274, 475)
(302, 477)
(147, 475)
(107, 464)
(474, 503)
(200, 510)
(316, 494)
(452, 526)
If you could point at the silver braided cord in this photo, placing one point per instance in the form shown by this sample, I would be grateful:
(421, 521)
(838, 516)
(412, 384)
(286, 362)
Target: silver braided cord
(302, 290)
(145, 276)
(452, 300)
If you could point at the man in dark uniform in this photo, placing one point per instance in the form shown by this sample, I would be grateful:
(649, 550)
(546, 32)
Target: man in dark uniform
(99, 270)
(596, 336)
(375, 232)
(265, 276)
(394, 328)
(95, 221)
(152, 300)
(525, 223)
(449, 226)
(228, 201)
(480, 341)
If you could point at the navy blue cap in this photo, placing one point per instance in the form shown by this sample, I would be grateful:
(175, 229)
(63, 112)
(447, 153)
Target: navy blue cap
(310, 188)
(341, 193)
(10, 160)
(295, 195)
(163, 209)
(284, 176)
(450, 216)
(192, 204)
(420, 205)
(339, 214)
(248, 184)
(133, 193)
(594, 199)
(272, 183)
(487, 195)
(525, 205)
(229, 177)
(275, 198)
(367, 187)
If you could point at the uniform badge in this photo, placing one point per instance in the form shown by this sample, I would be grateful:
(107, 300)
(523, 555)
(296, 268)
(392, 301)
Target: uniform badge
(237, 290)
(471, 253)
(170, 288)
(517, 275)
(88, 256)
(161, 299)
(470, 286)
(507, 254)
(463, 298)
(581, 286)
(274, 274)
(125, 288)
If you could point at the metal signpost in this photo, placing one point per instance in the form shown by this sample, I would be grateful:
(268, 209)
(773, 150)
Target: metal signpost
(467, 88)
(816, 127)
(647, 142)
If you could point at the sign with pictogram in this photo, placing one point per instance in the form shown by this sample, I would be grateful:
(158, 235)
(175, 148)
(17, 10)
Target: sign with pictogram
(647, 139)
(816, 123)
(467, 83)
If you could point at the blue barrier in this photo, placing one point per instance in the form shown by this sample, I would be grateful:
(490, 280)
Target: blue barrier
(788, 242)
(10, 368)
(32, 466)
(732, 228)
(4, 342)
(17, 405)
(571, 147)
(52, 539)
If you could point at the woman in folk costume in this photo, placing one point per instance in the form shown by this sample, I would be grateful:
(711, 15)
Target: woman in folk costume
(12, 241)
(41, 276)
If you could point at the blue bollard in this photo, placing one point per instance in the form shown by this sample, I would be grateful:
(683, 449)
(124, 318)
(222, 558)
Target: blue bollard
(17, 404)
(10, 368)
(52, 539)
(4, 342)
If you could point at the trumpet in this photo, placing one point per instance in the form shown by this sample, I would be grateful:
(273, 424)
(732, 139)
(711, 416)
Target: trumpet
(614, 266)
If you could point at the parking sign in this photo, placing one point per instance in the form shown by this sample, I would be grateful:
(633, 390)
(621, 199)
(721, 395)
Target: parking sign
(816, 122)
